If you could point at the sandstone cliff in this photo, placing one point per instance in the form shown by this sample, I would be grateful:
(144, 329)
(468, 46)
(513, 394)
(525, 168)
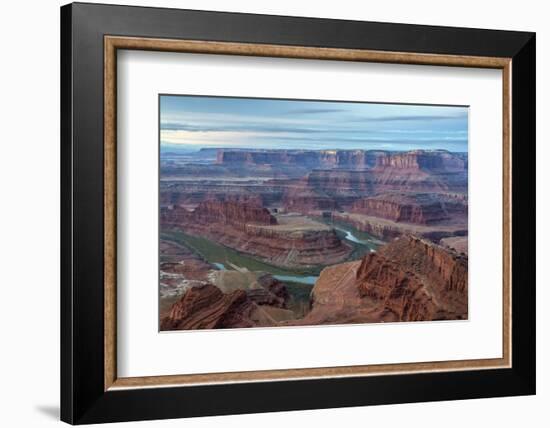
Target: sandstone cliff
(355, 159)
(409, 171)
(419, 208)
(208, 307)
(249, 228)
(310, 180)
(429, 160)
(237, 213)
(407, 280)
(416, 280)
(387, 229)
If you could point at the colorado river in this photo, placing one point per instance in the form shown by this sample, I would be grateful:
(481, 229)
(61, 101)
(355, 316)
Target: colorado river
(309, 280)
(351, 237)
(224, 258)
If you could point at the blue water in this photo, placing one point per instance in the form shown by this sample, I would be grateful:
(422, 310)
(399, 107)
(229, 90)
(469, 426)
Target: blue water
(351, 237)
(310, 280)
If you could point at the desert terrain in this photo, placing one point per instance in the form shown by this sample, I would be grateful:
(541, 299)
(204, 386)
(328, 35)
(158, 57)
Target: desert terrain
(263, 238)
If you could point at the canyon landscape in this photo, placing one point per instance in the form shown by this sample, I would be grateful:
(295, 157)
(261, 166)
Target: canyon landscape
(261, 227)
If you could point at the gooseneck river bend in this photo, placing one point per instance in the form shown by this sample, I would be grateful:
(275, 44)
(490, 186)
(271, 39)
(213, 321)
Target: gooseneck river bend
(226, 259)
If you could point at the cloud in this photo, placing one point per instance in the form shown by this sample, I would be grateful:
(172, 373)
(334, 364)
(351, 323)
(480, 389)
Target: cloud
(413, 118)
(426, 131)
(309, 125)
(183, 137)
(255, 127)
(365, 139)
(315, 111)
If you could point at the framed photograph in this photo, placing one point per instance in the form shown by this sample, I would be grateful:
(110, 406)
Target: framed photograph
(266, 213)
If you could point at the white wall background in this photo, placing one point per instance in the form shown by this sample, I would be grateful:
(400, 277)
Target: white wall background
(29, 214)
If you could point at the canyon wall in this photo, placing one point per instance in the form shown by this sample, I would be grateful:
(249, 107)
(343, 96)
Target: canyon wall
(305, 181)
(357, 159)
(273, 205)
(419, 208)
(436, 160)
(234, 212)
(207, 307)
(249, 228)
(408, 279)
(416, 280)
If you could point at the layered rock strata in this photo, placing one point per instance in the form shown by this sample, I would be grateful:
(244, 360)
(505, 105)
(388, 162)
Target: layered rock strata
(386, 230)
(207, 307)
(248, 227)
(418, 208)
(409, 279)
(359, 159)
(343, 181)
(429, 160)
(416, 280)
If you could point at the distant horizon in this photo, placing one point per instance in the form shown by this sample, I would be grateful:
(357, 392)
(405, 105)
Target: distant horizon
(189, 123)
(168, 148)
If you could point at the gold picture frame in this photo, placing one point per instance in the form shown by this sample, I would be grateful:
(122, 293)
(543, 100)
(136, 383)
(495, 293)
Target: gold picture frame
(114, 43)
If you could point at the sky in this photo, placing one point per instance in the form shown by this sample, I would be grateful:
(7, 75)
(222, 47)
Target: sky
(193, 122)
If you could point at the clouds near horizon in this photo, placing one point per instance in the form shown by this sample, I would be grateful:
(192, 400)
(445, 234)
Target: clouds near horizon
(197, 121)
